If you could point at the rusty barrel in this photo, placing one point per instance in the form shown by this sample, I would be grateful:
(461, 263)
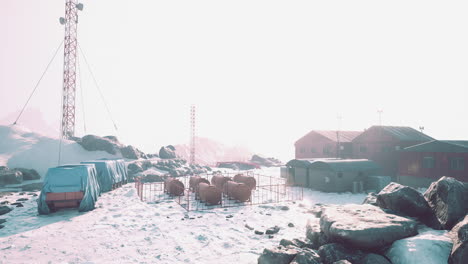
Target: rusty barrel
(195, 180)
(219, 180)
(209, 194)
(237, 191)
(174, 187)
(248, 180)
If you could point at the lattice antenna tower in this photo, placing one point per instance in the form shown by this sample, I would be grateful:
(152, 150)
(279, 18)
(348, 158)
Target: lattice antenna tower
(70, 21)
(192, 134)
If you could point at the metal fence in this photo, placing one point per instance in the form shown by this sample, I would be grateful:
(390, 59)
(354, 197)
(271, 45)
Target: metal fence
(268, 190)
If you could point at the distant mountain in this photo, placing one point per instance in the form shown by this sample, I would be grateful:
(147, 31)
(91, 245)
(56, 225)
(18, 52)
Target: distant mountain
(33, 120)
(209, 151)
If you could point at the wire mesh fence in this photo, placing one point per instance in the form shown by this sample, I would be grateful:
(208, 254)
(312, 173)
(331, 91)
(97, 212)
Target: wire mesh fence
(267, 189)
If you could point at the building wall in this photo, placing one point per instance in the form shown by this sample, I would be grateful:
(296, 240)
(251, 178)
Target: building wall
(411, 164)
(317, 146)
(382, 148)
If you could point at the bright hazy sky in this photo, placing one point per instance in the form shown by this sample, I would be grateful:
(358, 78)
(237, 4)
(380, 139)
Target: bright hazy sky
(261, 73)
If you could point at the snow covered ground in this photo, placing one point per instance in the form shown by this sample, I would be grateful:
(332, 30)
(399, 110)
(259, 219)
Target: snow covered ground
(122, 229)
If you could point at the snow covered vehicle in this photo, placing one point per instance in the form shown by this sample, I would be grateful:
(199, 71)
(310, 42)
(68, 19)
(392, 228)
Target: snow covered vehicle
(111, 174)
(69, 186)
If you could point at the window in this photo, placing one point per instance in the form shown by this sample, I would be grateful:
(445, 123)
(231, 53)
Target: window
(428, 162)
(313, 150)
(363, 149)
(302, 150)
(457, 163)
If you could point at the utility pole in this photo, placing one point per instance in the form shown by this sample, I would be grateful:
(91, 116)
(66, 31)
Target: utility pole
(70, 21)
(192, 134)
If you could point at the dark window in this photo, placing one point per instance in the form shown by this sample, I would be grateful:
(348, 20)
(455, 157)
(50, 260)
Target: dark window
(313, 150)
(428, 162)
(340, 175)
(457, 163)
(362, 149)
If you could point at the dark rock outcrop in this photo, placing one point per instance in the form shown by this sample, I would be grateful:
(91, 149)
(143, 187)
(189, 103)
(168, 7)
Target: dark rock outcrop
(266, 162)
(8, 176)
(459, 236)
(167, 152)
(307, 256)
(272, 230)
(331, 253)
(29, 174)
(278, 255)
(375, 259)
(5, 210)
(315, 236)
(112, 138)
(407, 201)
(130, 152)
(371, 199)
(448, 199)
(95, 143)
(364, 226)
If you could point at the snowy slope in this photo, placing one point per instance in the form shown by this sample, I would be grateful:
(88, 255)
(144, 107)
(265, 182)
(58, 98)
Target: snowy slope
(122, 229)
(22, 148)
(209, 152)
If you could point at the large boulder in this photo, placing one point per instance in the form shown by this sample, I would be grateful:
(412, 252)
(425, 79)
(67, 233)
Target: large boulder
(459, 234)
(448, 198)
(428, 247)
(307, 256)
(167, 152)
(371, 199)
(95, 143)
(407, 201)
(278, 255)
(331, 253)
(11, 177)
(262, 161)
(130, 152)
(375, 259)
(112, 138)
(316, 237)
(364, 226)
(29, 174)
(5, 210)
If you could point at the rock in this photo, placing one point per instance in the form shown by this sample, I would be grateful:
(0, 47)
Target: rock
(134, 168)
(29, 174)
(364, 226)
(229, 216)
(22, 199)
(342, 262)
(18, 204)
(112, 138)
(307, 256)
(448, 199)
(272, 230)
(374, 259)
(271, 236)
(5, 210)
(259, 232)
(284, 208)
(32, 187)
(315, 236)
(459, 234)
(290, 225)
(2, 226)
(11, 177)
(4, 202)
(95, 143)
(278, 255)
(429, 247)
(2, 221)
(167, 152)
(287, 242)
(371, 199)
(408, 202)
(249, 227)
(130, 152)
(334, 252)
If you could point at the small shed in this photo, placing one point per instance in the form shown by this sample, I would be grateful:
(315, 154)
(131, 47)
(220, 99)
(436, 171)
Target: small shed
(69, 184)
(332, 175)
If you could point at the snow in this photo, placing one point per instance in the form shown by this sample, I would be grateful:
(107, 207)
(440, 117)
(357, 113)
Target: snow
(429, 247)
(22, 148)
(124, 228)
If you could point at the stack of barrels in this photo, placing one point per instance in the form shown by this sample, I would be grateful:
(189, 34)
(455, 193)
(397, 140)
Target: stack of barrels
(173, 187)
(204, 191)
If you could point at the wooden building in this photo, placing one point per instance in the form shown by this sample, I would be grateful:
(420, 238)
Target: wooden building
(325, 144)
(382, 144)
(421, 164)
